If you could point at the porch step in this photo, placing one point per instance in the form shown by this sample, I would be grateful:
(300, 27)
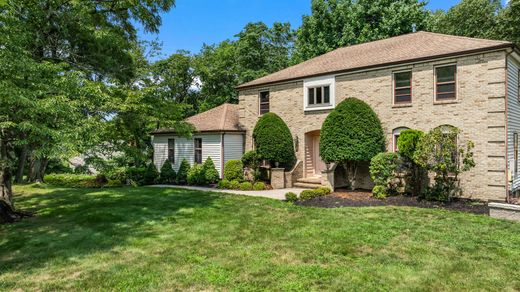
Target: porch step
(306, 185)
(310, 180)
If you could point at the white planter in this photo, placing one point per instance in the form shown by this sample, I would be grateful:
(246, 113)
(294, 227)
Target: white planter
(504, 211)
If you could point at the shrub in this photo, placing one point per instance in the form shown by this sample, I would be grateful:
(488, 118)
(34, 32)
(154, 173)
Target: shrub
(168, 175)
(383, 168)
(136, 175)
(234, 185)
(407, 145)
(307, 195)
(119, 174)
(211, 175)
(223, 184)
(71, 180)
(252, 161)
(196, 175)
(234, 170)
(182, 174)
(324, 191)
(408, 141)
(291, 197)
(151, 174)
(273, 140)
(246, 186)
(114, 183)
(259, 186)
(379, 192)
(351, 133)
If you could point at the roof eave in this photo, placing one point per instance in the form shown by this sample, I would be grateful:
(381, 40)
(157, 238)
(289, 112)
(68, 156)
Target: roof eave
(461, 53)
(199, 132)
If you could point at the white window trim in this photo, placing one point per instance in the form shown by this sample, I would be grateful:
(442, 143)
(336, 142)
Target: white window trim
(319, 82)
(396, 132)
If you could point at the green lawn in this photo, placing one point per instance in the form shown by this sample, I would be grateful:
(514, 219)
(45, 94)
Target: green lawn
(166, 239)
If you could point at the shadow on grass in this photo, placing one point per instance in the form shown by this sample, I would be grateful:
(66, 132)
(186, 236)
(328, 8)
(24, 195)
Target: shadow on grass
(72, 223)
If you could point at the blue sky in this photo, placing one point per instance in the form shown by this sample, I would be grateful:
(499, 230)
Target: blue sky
(194, 22)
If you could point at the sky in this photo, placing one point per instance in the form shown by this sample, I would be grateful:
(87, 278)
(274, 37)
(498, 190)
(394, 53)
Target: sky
(194, 22)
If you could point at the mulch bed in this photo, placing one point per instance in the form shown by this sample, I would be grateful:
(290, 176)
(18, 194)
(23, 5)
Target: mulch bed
(342, 198)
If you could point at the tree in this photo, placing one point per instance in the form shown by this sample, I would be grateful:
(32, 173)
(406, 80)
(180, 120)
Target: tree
(471, 18)
(438, 151)
(273, 140)
(351, 134)
(509, 22)
(338, 23)
(407, 145)
(211, 174)
(168, 175)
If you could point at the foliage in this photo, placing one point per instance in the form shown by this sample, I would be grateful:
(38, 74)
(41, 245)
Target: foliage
(136, 175)
(246, 186)
(273, 140)
(291, 197)
(211, 174)
(182, 173)
(251, 159)
(151, 174)
(196, 175)
(167, 175)
(71, 180)
(234, 184)
(438, 151)
(407, 145)
(407, 142)
(339, 23)
(234, 170)
(379, 192)
(383, 168)
(311, 194)
(259, 186)
(324, 190)
(223, 184)
(509, 22)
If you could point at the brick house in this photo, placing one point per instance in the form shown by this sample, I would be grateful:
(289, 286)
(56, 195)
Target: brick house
(421, 80)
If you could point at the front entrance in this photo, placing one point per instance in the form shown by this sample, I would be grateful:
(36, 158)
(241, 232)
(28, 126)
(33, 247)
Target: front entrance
(313, 163)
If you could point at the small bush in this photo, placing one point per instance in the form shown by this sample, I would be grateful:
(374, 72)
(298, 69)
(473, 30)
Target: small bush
(246, 186)
(210, 171)
(251, 159)
(182, 174)
(234, 185)
(223, 184)
(324, 191)
(234, 170)
(383, 168)
(168, 175)
(291, 197)
(151, 174)
(119, 174)
(136, 175)
(259, 186)
(196, 175)
(408, 141)
(379, 192)
(71, 180)
(307, 195)
(114, 183)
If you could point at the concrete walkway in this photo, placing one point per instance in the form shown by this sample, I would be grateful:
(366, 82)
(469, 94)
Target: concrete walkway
(272, 194)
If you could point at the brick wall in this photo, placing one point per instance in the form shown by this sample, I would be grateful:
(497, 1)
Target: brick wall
(479, 111)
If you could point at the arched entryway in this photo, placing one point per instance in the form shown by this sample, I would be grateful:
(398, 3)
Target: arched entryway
(313, 164)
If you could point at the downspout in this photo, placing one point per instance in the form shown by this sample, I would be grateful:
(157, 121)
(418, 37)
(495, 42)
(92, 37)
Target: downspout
(508, 194)
(222, 155)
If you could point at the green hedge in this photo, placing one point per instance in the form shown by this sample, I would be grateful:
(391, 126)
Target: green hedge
(196, 175)
(168, 174)
(273, 140)
(234, 170)
(351, 132)
(80, 180)
(211, 174)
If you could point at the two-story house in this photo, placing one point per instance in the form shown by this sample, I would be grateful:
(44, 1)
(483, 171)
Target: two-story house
(421, 80)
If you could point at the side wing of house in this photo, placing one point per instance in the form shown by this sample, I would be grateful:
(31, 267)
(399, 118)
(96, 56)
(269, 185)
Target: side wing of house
(233, 146)
(513, 121)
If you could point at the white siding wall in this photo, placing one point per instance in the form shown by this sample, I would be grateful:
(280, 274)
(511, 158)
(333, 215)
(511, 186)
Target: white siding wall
(513, 119)
(184, 149)
(233, 146)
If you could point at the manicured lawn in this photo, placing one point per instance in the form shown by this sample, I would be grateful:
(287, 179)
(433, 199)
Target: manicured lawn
(166, 239)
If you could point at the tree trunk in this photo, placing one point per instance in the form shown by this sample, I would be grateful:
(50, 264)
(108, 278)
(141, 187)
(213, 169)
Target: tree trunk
(37, 170)
(351, 167)
(21, 164)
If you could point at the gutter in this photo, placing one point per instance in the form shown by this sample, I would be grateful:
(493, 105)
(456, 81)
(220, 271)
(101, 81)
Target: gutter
(339, 72)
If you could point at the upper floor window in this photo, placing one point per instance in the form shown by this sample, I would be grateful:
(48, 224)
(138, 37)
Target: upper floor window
(403, 87)
(264, 102)
(171, 150)
(198, 150)
(446, 82)
(318, 96)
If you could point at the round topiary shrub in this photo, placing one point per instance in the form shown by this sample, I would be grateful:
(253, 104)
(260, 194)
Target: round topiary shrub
(223, 184)
(383, 168)
(234, 185)
(379, 192)
(408, 141)
(182, 174)
(273, 140)
(210, 171)
(234, 170)
(259, 186)
(307, 195)
(246, 186)
(291, 197)
(196, 175)
(167, 175)
(351, 132)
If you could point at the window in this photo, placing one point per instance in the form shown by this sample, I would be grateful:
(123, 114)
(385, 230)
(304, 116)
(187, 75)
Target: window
(171, 150)
(198, 150)
(318, 96)
(264, 102)
(515, 154)
(445, 83)
(395, 134)
(403, 87)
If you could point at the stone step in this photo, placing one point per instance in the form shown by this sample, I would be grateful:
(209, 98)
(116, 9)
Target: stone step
(306, 185)
(310, 180)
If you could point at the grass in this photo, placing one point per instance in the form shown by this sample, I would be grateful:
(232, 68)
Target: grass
(168, 239)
